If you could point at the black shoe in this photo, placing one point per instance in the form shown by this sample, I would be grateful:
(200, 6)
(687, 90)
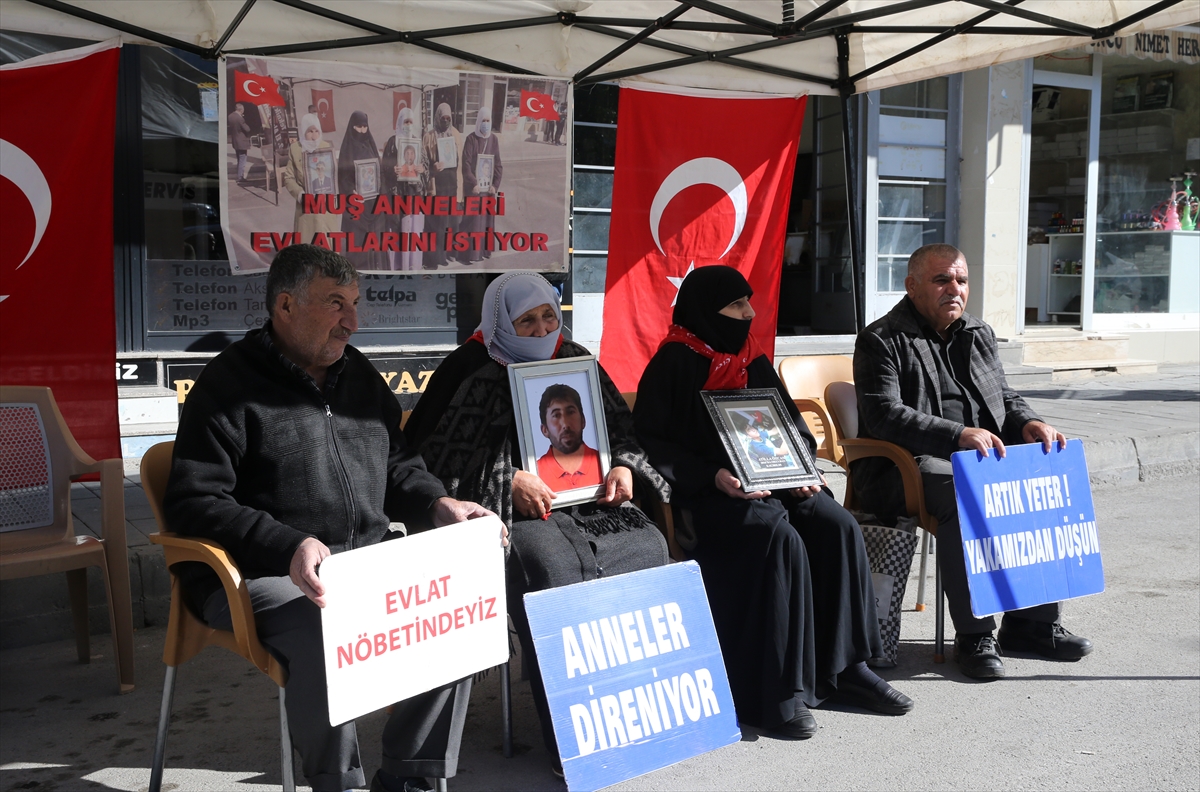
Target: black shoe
(394, 784)
(978, 656)
(881, 697)
(1052, 641)
(802, 725)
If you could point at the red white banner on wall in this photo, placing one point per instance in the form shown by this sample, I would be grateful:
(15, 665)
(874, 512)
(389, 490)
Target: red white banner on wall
(699, 181)
(57, 323)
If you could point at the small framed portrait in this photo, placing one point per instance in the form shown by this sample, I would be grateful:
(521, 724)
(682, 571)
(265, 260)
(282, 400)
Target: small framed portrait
(447, 152)
(319, 172)
(408, 157)
(764, 446)
(560, 426)
(484, 167)
(366, 177)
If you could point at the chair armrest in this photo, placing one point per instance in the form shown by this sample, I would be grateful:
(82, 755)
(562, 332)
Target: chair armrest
(910, 474)
(829, 443)
(112, 501)
(186, 548)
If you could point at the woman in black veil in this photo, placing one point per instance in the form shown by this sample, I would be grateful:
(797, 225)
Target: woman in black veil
(359, 145)
(786, 572)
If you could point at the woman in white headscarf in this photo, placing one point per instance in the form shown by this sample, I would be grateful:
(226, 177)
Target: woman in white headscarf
(406, 172)
(464, 427)
(295, 179)
(481, 142)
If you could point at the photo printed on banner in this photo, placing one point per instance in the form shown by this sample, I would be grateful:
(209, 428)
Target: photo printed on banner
(400, 170)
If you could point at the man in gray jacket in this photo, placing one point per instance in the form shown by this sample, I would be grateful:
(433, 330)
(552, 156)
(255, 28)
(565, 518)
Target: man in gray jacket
(239, 136)
(929, 378)
(288, 450)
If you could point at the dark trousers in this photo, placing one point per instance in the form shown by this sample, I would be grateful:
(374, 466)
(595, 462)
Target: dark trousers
(422, 735)
(551, 553)
(937, 476)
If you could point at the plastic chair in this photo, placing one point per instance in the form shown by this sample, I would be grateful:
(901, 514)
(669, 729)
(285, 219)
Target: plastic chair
(187, 634)
(805, 378)
(37, 531)
(843, 406)
(664, 517)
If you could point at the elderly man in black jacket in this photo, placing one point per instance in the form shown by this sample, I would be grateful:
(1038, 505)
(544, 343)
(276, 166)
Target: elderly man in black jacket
(928, 378)
(289, 449)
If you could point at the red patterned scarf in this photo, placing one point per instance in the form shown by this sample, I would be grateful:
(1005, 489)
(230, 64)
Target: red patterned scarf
(725, 372)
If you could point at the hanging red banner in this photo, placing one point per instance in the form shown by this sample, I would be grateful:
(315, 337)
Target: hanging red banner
(57, 321)
(699, 181)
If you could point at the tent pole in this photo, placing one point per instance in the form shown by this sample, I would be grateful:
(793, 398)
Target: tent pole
(850, 150)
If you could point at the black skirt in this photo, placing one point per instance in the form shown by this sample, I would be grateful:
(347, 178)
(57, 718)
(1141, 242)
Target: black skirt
(791, 596)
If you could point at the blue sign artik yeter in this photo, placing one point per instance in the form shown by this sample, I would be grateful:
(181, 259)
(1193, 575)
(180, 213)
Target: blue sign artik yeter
(1028, 526)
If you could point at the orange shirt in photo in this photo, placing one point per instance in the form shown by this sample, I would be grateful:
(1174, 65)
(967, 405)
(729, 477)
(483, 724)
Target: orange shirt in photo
(559, 480)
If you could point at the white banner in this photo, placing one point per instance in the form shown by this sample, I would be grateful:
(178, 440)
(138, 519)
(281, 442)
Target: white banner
(409, 615)
(1164, 45)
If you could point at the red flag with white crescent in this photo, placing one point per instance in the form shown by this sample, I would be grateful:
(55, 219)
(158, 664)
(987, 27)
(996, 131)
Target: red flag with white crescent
(323, 100)
(538, 105)
(256, 89)
(57, 319)
(699, 181)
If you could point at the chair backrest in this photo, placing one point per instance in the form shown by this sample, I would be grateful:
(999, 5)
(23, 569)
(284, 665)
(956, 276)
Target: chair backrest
(805, 376)
(38, 458)
(843, 408)
(156, 471)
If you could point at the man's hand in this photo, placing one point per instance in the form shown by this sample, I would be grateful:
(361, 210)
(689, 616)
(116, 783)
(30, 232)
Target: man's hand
(1039, 432)
(729, 485)
(448, 511)
(618, 487)
(531, 496)
(804, 493)
(303, 571)
(980, 440)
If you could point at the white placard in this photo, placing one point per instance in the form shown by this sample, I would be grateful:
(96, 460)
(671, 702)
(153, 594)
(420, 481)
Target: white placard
(409, 615)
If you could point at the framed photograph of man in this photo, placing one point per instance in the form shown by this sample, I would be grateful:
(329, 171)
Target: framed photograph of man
(410, 157)
(319, 172)
(560, 426)
(764, 446)
(484, 168)
(366, 177)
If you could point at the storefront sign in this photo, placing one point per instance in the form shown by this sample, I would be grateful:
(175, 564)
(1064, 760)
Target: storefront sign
(137, 372)
(633, 673)
(399, 169)
(1159, 45)
(1028, 527)
(411, 614)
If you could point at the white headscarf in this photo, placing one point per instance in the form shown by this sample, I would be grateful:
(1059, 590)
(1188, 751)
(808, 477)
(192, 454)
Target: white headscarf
(406, 114)
(309, 121)
(485, 113)
(506, 298)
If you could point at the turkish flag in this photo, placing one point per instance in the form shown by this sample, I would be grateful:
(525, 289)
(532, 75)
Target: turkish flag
(57, 322)
(401, 100)
(538, 105)
(256, 89)
(699, 181)
(324, 103)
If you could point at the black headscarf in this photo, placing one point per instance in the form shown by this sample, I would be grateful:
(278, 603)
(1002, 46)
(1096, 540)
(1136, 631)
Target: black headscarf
(355, 146)
(702, 296)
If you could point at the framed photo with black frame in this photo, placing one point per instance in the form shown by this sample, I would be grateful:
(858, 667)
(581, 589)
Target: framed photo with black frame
(764, 446)
(563, 436)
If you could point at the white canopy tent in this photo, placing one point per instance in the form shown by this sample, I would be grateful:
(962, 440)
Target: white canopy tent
(784, 47)
(771, 46)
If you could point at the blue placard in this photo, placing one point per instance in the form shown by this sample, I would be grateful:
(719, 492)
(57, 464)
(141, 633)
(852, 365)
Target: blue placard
(633, 673)
(1028, 527)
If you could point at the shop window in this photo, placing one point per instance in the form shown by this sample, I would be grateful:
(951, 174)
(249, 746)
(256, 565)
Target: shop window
(595, 140)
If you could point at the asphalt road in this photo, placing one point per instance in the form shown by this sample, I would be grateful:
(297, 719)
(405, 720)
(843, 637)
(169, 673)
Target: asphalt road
(1127, 717)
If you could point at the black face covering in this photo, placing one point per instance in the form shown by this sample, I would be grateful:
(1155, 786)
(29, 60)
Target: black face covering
(702, 296)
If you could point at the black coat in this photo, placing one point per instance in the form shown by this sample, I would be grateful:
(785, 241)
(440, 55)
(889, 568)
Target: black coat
(264, 460)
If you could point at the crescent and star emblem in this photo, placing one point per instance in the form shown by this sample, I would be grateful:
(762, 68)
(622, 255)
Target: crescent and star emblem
(702, 170)
(323, 107)
(529, 104)
(249, 82)
(20, 168)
